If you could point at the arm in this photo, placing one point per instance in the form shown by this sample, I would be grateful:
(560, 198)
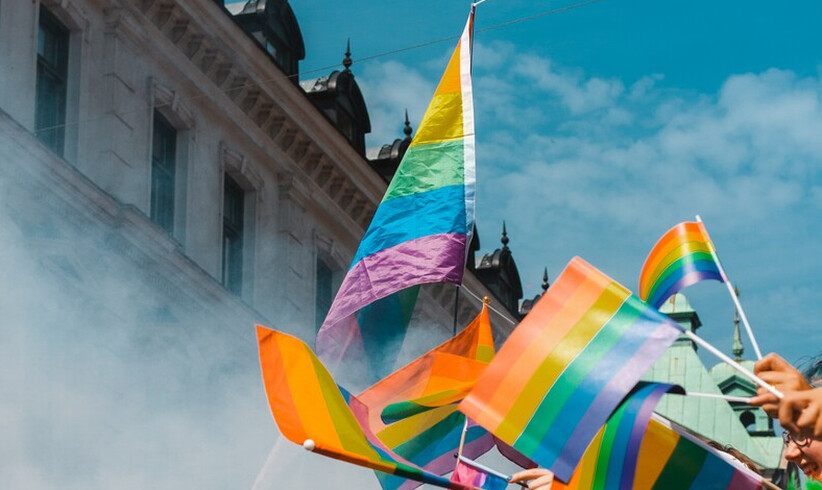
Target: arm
(536, 478)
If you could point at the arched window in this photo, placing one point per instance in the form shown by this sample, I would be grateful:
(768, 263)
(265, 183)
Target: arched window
(748, 419)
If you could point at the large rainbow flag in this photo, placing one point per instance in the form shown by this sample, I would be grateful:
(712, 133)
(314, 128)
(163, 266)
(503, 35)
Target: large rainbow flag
(422, 228)
(413, 411)
(567, 366)
(683, 256)
(311, 410)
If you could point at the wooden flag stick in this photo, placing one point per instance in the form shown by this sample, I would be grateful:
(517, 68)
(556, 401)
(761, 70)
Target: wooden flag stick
(735, 299)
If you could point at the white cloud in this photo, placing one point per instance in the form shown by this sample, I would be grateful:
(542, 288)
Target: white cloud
(390, 88)
(578, 94)
(606, 176)
(580, 165)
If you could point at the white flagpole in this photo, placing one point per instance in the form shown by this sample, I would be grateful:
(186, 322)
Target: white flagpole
(740, 399)
(462, 438)
(482, 467)
(713, 350)
(735, 299)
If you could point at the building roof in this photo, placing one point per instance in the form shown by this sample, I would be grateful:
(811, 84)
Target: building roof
(716, 419)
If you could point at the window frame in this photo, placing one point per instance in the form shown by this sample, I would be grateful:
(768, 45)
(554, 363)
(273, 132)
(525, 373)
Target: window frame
(52, 132)
(238, 168)
(321, 309)
(166, 102)
(233, 235)
(327, 252)
(69, 15)
(163, 171)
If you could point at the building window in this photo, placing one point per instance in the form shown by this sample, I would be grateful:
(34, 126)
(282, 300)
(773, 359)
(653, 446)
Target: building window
(163, 169)
(323, 299)
(748, 419)
(52, 80)
(233, 214)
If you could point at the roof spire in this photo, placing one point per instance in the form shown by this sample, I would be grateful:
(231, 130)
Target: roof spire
(738, 349)
(545, 284)
(347, 60)
(407, 129)
(504, 238)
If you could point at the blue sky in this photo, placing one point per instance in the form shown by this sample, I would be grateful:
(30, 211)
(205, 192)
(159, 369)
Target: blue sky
(600, 127)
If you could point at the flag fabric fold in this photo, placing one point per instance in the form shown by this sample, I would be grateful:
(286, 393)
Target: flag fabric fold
(637, 450)
(413, 411)
(672, 458)
(683, 256)
(311, 410)
(422, 228)
(610, 460)
(474, 477)
(567, 366)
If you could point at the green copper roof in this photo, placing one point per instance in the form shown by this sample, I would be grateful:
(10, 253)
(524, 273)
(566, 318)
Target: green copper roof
(712, 418)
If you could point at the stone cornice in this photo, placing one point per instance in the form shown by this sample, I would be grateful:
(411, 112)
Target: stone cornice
(236, 164)
(171, 102)
(237, 67)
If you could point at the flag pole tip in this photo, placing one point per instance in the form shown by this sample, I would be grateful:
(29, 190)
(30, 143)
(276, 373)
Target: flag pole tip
(309, 445)
(486, 300)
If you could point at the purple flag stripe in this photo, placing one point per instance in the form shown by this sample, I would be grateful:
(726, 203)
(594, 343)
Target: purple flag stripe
(743, 481)
(446, 463)
(603, 405)
(388, 271)
(688, 279)
(638, 431)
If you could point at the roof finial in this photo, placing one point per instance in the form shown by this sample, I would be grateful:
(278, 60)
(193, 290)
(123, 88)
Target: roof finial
(347, 60)
(738, 349)
(545, 284)
(504, 239)
(407, 129)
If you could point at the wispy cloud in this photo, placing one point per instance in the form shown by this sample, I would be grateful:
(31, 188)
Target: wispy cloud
(389, 89)
(579, 164)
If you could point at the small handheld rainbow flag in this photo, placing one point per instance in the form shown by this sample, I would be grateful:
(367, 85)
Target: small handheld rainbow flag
(413, 411)
(475, 477)
(640, 451)
(567, 366)
(610, 461)
(671, 458)
(311, 410)
(422, 228)
(683, 256)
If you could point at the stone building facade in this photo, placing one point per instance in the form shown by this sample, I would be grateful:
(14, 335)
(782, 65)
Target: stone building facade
(165, 184)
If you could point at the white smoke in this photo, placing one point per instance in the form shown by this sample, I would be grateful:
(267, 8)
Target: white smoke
(109, 376)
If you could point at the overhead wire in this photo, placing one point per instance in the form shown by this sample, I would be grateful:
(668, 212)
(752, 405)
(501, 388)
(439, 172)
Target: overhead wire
(502, 314)
(494, 27)
(355, 60)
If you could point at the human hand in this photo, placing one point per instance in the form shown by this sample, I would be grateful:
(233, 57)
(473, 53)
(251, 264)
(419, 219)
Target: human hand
(536, 478)
(781, 375)
(800, 412)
